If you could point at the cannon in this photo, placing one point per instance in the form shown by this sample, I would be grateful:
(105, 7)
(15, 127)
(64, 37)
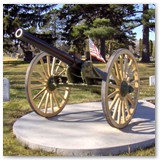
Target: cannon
(52, 73)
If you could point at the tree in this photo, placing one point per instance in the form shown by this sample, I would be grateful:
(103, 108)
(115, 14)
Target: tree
(101, 30)
(82, 17)
(140, 47)
(27, 16)
(150, 47)
(77, 39)
(148, 14)
(153, 52)
(145, 51)
(112, 45)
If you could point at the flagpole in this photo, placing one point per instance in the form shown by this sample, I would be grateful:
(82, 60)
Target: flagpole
(90, 57)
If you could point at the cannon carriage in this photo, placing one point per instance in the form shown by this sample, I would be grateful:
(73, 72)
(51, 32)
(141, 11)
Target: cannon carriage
(52, 73)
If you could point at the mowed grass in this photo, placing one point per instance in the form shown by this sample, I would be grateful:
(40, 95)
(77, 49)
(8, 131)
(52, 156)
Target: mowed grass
(18, 106)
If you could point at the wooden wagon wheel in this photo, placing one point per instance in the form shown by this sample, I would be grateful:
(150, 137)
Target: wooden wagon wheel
(44, 95)
(120, 90)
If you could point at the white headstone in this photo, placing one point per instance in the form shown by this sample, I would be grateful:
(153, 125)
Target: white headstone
(152, 80)
(6, 87)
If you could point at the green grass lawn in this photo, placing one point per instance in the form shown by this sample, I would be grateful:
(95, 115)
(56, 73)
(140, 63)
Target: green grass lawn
(18, 106)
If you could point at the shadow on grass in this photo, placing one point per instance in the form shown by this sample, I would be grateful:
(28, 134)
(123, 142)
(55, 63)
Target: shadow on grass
(144, 78)
(15, 62)
(14, 73)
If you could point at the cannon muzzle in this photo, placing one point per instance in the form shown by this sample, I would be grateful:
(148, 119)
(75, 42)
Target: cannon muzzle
(42, 45)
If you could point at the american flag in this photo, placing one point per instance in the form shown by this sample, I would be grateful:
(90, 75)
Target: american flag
(94, 51)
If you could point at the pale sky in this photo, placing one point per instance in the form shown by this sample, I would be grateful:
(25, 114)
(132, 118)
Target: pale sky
(138, 30)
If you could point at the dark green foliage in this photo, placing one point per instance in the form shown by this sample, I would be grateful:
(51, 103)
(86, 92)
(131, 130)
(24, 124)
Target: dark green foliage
(140, 47)
(101, 30)
(110, 25)
(99, 21)
(26, 16)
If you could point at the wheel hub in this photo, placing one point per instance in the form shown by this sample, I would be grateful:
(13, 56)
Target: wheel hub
(51, 83)
(124, 89)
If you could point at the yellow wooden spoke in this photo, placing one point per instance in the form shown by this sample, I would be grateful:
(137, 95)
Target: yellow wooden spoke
(41, 74)
(115, 77)
(48, 65)
(119, 112)
(121, 67)
(128, 69)
(43, 67)
(117, 70)
(129, 98)
(39, 93)
(118, 104)
(53, 66)
(123, 112)
(63, 71)
(38, 86)
(126, 105)
(112, 94)
(55, 99)
(134, 82)
(128, 79)
(113, 102)
(46, 103)
(134, 69)
(113, 86)
(115, 109)
(125, 67)
(59, 94)
(51, 102)
(38, 79)
(40, 103)
(130, 63)
(58, 67)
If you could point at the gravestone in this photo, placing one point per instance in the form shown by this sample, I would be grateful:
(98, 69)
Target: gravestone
(6, 87)
(152, 80)
(151, 83)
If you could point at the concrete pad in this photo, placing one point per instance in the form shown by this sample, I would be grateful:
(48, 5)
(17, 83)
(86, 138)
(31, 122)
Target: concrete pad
(81, 130)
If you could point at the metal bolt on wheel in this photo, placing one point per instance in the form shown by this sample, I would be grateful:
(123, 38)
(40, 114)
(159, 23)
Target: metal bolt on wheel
(45, 97)
(120, 90)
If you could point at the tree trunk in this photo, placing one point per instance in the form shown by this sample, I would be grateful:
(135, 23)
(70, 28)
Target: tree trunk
(110, 48)
(145, 51)
(140, 47)
(103, 48)
(150, 47)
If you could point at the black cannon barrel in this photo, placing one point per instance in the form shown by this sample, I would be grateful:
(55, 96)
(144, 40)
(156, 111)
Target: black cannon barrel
(42, 45)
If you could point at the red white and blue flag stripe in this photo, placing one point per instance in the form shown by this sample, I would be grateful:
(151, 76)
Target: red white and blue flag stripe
(94, 51)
